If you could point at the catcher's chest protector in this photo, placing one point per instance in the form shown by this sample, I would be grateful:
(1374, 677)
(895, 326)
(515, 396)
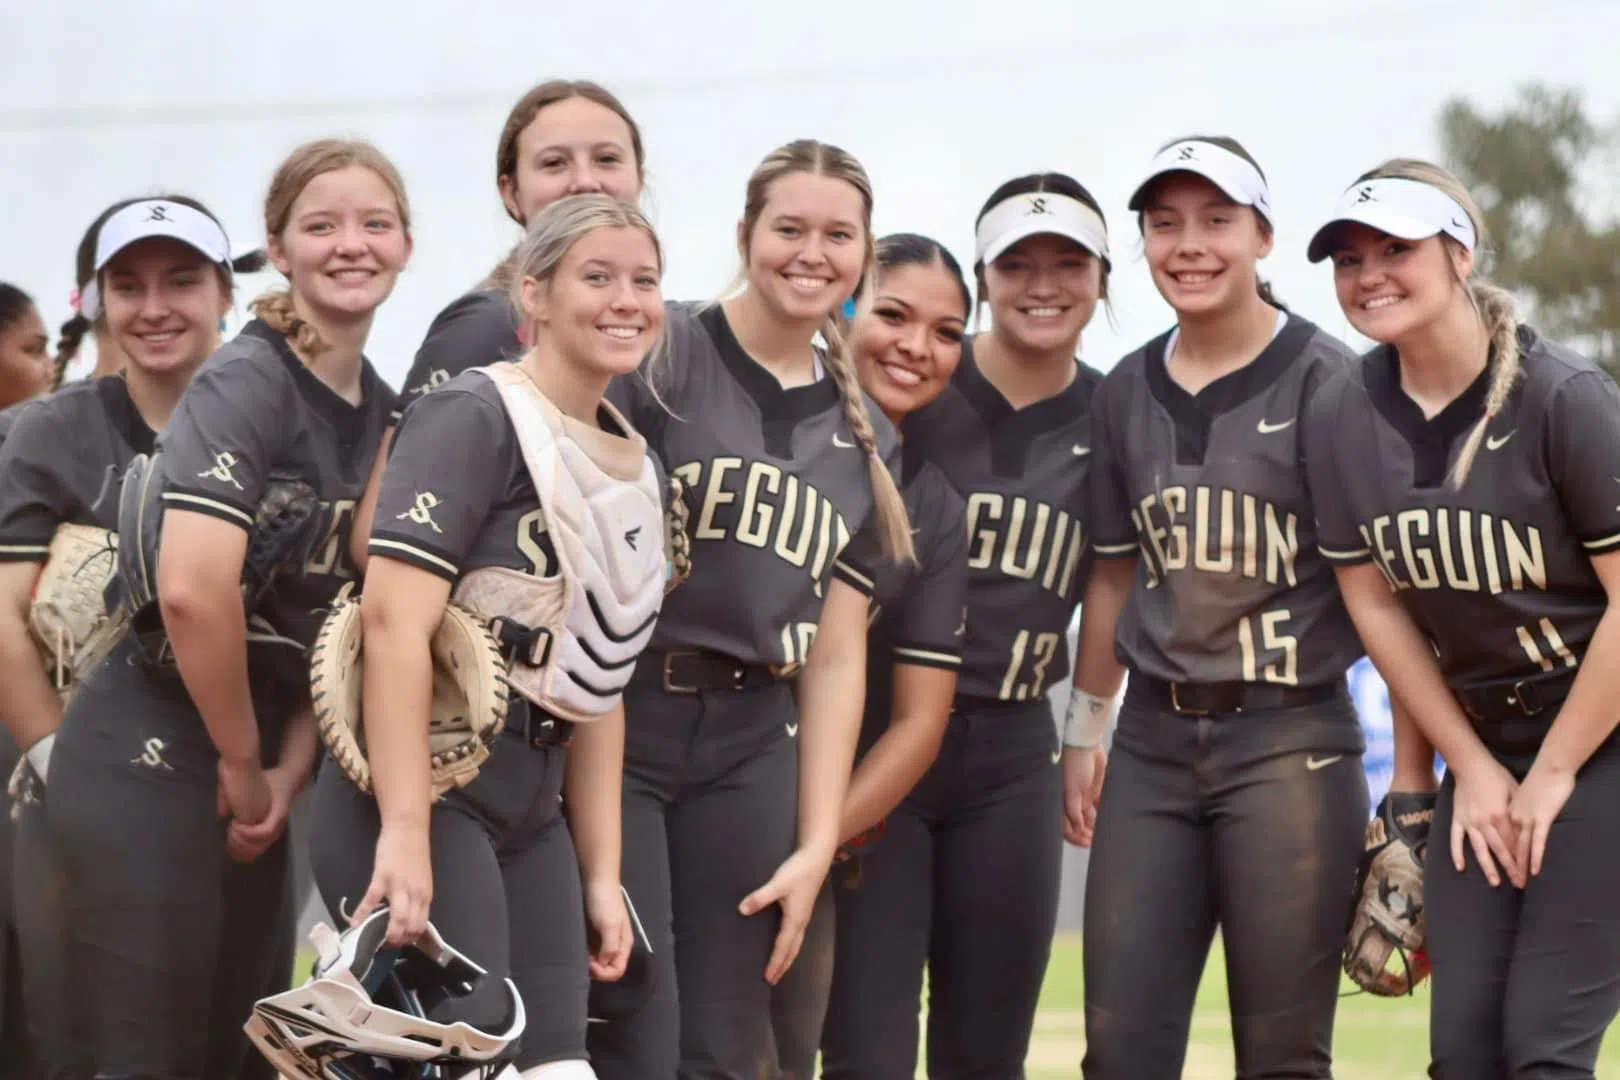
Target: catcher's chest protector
(585, 626)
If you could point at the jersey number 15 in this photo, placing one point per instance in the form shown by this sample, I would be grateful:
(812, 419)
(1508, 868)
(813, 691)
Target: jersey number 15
(1272, 639)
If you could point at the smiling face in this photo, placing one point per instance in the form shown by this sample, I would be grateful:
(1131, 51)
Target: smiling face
(1390, 288)
(1202, 248)
(344, 244)
(907, 337)
(572, 147)
(25, 362)
(163, 302)
(1042, 292)
(601, 309)
(806, 252)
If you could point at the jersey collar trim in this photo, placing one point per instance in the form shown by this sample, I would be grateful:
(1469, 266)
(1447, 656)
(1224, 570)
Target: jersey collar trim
(328, 402)
(1048, 414)
(123, 415)
(776, 403)
(1192, 414)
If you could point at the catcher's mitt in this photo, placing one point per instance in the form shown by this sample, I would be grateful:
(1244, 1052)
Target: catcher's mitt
(1389, 917)
(287, 528)
(69, 602)
(470, 694)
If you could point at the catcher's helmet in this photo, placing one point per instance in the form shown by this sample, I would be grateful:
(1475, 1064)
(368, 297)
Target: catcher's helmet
(363, 1015)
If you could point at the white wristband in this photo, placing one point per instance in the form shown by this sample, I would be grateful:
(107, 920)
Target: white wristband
(39, 755)
(1088, 720)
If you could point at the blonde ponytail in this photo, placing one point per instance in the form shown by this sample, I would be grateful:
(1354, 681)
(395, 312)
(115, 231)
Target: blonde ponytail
(276, 309)
(894, 525)
(1500, 315)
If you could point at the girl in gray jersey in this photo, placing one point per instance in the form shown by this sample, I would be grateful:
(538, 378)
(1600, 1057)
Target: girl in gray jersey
(167, 284)
(1466, 475)
(162, 776)
(564, 137)
(1235, 798)
(731, 811)
(906, 337)
(496, 861)
(964, 884)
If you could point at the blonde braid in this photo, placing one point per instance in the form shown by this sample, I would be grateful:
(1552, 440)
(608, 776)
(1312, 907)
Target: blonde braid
(677, 537)
(276, 309)
(894, 524)
(1500, 316)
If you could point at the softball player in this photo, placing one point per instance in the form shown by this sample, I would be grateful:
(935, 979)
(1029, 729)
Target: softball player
(726, 814)
(1011, 435)
(496, 859)
(906, 339)
(165, 273)
(25, 365)
(25, 372)
(563, 137)
(1236, 796)
(1465, 471)
(159, 780)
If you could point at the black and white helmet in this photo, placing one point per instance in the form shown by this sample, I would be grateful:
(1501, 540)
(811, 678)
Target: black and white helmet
(363, 1015)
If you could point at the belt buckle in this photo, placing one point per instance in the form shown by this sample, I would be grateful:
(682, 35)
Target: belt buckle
(670, 686)
(1529, 704)
(1175, 703)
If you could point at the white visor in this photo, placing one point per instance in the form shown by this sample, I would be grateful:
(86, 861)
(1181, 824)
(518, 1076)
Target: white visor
(1232, 173)
(1033, 213)
(144, 220)
(1408, 209)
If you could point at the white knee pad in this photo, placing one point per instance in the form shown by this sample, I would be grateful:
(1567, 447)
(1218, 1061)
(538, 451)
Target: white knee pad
(573, 1069)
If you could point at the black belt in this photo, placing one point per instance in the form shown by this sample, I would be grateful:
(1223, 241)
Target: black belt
(693, 671)
(1517, 699)
(535, 726)
(1207, 699)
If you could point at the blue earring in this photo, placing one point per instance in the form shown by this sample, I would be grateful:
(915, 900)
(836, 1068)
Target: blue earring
(849, 308)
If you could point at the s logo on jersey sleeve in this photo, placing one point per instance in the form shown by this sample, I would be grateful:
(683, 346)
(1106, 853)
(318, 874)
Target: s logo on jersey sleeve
(223, 469)
(421, 511)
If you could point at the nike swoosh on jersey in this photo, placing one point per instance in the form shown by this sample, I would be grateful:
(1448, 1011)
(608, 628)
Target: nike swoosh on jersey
(1493, 443)
(1314, 763)
(838, 440)
(1081, 451)
(1265, 427)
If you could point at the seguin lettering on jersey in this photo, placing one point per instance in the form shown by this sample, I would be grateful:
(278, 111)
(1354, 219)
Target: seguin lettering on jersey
(1499, 574)
(478, 328)
(254, 412)
(60, 464)
(1209, 492)
(775, 483)
(1022, 474)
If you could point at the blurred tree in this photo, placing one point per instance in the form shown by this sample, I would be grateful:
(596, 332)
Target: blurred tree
(1527, 166)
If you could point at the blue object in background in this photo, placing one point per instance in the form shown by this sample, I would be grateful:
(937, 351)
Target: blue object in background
(1371, 698)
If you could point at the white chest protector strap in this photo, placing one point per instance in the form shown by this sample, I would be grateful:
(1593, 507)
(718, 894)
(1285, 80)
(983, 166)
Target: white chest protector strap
(586, 625)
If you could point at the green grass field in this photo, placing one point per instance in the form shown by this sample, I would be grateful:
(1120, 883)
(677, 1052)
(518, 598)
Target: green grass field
(1374, 1038)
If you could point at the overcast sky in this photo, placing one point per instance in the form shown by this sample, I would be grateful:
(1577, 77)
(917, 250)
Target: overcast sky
(940, 99)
